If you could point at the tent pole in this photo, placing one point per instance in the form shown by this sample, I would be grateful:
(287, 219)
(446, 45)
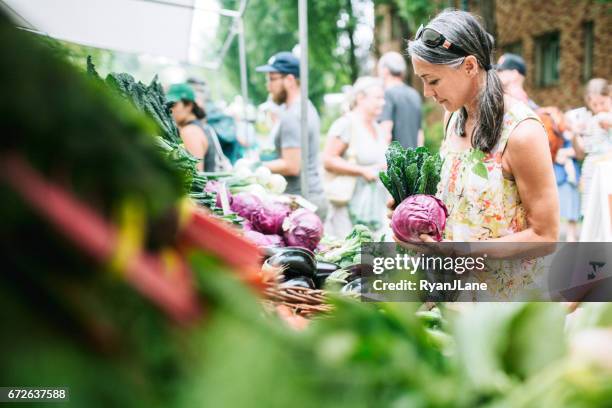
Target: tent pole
(303, 29)
(243, 70)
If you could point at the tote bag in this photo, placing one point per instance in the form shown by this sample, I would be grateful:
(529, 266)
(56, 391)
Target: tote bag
(339, 188)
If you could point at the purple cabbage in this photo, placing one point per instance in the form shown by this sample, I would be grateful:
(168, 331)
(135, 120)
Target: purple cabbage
(268, 219)
(303, 228)
(245, 205)
(263, 240)
(419, 214)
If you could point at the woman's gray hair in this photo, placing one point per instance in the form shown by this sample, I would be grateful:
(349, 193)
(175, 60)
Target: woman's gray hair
(463, 30)
(361, 87)
(394, 62)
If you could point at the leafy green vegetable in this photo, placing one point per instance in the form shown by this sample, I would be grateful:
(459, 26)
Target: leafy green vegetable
(151, 100)
(430, 176)
(410, 172)
(346, 252)
(412, 175)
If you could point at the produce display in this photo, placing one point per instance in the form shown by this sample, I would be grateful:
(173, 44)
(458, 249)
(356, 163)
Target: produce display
(137, 281)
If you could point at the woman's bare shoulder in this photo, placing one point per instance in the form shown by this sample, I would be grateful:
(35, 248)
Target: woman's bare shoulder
(527, 135)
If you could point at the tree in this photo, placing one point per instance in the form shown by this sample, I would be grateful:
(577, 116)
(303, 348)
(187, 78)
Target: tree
(271, 27)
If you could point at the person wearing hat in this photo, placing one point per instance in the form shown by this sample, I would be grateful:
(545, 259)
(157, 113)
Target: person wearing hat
(187, 114)
(512, 71)
(283, 73)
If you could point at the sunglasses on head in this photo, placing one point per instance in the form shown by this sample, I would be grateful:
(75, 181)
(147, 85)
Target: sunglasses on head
(433, 39)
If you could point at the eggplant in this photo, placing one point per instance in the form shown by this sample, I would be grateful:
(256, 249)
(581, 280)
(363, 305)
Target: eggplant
(294, 262)
(324, 269)
(301, 282)
(271, 251)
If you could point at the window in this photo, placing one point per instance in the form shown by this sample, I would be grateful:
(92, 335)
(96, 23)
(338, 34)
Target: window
(547, 53)
(588, 40)
(513, 48)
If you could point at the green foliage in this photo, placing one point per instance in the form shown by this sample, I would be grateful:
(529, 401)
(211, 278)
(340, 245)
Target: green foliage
(78, 130)
(271, 27)
(347, 251)
(415, 12)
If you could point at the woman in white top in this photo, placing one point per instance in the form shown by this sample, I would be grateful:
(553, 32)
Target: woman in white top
(592, 136)
(359, 128)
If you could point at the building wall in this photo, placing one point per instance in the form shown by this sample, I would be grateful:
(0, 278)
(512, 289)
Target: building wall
(523, 20)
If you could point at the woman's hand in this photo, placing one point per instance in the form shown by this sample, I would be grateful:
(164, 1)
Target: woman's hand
(428, 246)
(370, 173)
(390, 205)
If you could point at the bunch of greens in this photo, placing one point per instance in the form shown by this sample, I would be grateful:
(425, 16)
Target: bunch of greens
(151, 100)
(147, 98)
(346, 252)
(410, 171)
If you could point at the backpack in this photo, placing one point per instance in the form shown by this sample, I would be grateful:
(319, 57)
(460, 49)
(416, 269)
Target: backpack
(552, 119)
(222, 163)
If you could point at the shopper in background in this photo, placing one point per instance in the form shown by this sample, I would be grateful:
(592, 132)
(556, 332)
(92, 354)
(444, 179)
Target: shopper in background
(512, 71)
(283, 82)
(400, 119)
(188, 116)
(567, 169)
(244, 116)
(591, 132)
(356, 146)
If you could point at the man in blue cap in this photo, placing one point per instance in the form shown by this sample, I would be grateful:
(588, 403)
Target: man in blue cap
(512, 71)
(283, 73)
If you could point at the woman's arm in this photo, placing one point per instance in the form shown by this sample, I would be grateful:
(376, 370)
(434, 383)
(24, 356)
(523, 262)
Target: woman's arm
(333, 160)
(289, 164)
(528, 158)
(195, 142)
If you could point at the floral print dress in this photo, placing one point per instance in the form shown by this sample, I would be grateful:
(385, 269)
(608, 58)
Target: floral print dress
(483, 204)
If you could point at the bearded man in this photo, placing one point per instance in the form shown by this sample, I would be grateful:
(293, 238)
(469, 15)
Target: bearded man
(283, 83)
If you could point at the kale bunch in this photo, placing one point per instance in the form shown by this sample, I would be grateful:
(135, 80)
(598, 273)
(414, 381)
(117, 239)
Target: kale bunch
(410, 171)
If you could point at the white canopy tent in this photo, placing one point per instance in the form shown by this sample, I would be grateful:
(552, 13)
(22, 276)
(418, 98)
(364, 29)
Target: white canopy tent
(154, 27)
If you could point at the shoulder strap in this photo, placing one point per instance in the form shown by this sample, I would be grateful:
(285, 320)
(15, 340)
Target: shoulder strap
(518, 114)
(216, 144)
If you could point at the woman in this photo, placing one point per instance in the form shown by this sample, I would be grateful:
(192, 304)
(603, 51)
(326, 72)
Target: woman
(356, 146)
(517, 200)
(188, 115)
(591, 134)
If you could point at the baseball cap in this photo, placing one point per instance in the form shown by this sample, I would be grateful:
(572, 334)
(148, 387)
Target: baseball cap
(283, 62)
(512, 61)
(179, 92)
